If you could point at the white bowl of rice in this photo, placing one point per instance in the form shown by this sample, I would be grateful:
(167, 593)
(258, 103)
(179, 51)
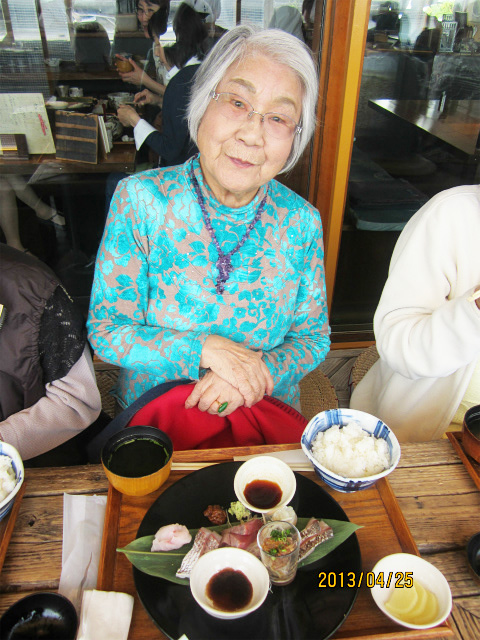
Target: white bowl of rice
(350, 450)
(11, 476)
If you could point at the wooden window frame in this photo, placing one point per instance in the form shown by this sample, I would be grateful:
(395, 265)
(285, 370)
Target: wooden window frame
(341, 30)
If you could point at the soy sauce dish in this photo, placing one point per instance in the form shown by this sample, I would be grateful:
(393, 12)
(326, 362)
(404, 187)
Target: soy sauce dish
(264, 484)
(137, 460)
(229, 583)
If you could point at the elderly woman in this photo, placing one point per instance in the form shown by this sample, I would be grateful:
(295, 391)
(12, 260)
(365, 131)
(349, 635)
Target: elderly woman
(212, 270)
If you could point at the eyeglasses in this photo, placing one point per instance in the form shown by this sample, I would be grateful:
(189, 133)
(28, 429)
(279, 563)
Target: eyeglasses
(147, 12)
(234, 107)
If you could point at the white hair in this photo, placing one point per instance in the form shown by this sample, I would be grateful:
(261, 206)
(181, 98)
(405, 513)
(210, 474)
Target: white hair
(275, 44)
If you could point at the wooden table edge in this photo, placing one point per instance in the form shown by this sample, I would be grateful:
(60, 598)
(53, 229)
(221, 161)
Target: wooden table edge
(8, 523)
(109, 537)
(455, 438)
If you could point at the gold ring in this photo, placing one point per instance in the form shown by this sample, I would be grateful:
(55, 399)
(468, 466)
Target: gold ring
(222, 406)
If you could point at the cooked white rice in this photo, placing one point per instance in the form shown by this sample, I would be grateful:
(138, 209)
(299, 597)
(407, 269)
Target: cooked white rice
(350, 452)
(7, 477)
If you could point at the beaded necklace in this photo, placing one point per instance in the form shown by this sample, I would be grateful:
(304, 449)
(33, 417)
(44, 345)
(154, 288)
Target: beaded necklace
(224, 262)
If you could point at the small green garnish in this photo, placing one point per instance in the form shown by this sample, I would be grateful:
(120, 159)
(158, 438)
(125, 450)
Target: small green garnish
(280, 534)
(238, 511)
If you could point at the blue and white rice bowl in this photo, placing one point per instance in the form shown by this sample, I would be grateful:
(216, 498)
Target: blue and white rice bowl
(372, 425)
(17, 464)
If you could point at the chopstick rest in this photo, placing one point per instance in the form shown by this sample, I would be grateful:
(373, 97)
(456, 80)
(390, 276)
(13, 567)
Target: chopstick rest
(105, 615)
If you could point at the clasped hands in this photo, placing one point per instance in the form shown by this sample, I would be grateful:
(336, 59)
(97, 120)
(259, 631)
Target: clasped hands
(235, 375)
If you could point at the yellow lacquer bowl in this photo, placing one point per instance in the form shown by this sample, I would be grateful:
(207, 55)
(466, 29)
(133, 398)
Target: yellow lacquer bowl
(137, 460)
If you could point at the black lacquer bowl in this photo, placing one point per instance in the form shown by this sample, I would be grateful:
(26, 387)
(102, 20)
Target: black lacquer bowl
(40, 615)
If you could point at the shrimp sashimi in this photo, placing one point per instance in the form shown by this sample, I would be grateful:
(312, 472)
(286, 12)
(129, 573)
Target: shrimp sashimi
(172, 536)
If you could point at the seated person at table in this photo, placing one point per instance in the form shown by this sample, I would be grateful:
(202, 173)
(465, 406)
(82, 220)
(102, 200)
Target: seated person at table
(427, 325)
(173, 143)
(150, 14)
(213, 270)
(48, 391)
(288, 19)
(215, 31)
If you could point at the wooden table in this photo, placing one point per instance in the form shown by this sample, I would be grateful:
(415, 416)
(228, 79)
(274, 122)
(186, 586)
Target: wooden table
(121, 158)
(437, 496)
(40, 167)
(457, 123)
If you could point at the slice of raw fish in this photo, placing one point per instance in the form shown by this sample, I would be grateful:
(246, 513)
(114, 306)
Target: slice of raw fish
(171, 536)
(205, 540)
(254, 549)
(248, 527)
(316, 532)
(242, 535)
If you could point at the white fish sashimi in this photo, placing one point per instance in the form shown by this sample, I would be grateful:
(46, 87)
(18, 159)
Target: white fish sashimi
(205, 540)
(172, 536)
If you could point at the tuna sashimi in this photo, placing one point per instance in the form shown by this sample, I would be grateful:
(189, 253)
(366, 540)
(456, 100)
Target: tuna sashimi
(172, 536)
(241, 535)
(205, 540)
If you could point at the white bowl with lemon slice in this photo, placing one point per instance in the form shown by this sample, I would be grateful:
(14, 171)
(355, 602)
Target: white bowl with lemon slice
(411, 591)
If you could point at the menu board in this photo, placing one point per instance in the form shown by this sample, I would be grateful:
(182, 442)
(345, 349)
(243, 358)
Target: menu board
(26, 113)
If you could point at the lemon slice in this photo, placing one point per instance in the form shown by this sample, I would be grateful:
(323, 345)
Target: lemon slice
(422, 598)
(429, 612)
(402, 601)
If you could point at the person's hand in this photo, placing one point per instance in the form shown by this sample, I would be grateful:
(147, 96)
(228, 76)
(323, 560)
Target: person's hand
(128, 116)
(211, 392)
(243, 368)
(132, 77)
(147, 97)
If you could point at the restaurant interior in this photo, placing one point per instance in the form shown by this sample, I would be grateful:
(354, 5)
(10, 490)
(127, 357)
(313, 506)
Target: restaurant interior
(398, 121)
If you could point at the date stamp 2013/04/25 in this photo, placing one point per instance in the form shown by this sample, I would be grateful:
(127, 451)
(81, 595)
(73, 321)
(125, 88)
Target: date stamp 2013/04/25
(355, 580)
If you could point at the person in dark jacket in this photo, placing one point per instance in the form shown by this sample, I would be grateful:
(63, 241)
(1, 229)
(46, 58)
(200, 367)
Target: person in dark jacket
(48, 391)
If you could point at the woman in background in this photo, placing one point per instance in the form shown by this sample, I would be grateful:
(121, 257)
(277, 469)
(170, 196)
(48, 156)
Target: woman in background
(146, 10)
(182, 60)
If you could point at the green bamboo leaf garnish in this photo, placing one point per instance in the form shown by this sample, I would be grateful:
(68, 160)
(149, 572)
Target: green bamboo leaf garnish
(165, 564)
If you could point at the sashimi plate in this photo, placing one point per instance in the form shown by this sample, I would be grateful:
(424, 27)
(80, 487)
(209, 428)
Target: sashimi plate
(300, 610)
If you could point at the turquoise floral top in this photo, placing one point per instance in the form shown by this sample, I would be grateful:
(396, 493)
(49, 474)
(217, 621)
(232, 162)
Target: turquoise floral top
(154, 300)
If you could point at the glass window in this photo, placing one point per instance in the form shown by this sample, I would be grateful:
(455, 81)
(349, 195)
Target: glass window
(416, 134)
(57, 68)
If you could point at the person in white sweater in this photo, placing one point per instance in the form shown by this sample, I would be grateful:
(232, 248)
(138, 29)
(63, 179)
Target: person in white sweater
(427, 324)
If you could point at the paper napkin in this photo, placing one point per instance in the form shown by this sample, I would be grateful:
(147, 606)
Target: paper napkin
(105, 615)
(83, 518)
